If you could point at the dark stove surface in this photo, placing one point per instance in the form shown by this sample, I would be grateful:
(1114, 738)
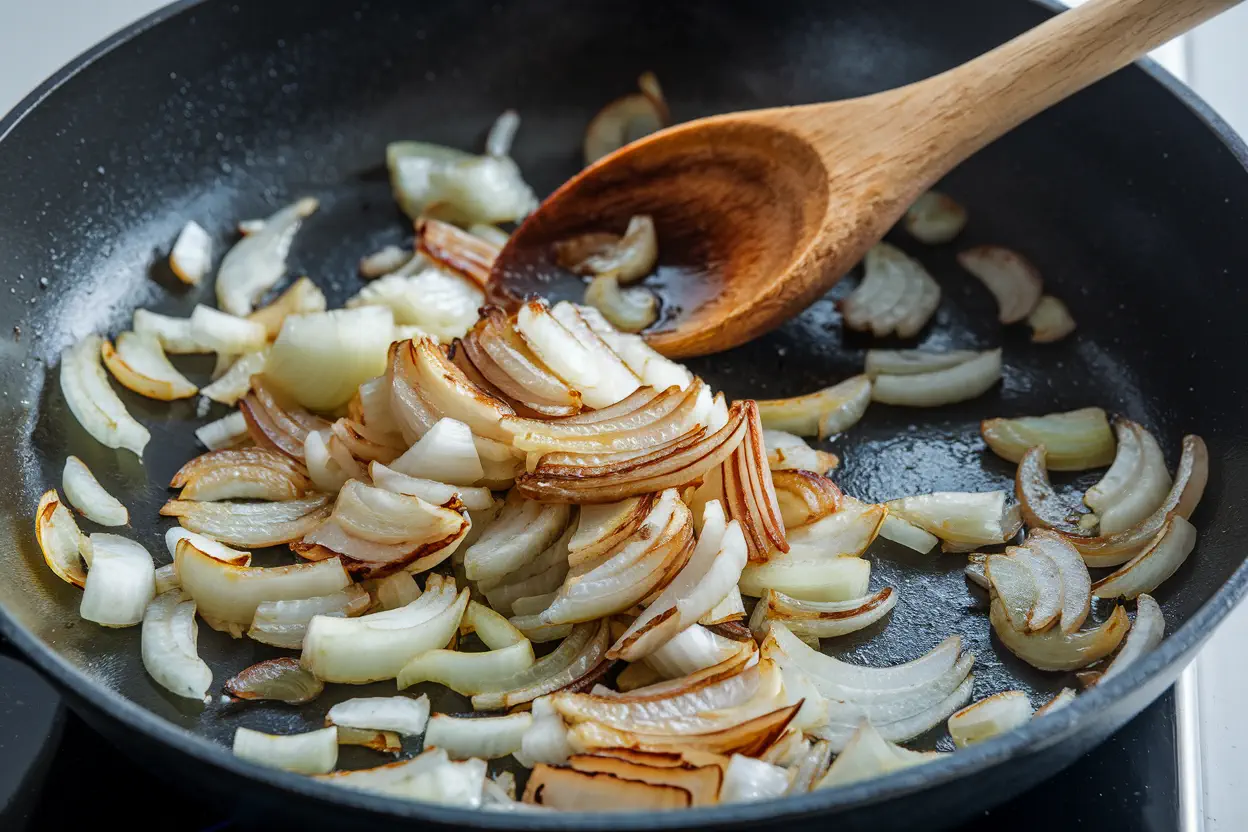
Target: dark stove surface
(57, 774)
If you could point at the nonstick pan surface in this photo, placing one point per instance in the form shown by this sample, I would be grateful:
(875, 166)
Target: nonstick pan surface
(1130, 198)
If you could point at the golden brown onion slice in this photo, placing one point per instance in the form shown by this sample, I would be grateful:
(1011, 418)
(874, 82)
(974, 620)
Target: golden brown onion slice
(1074, 441)
(1055, 650)
(1013, 281)
(626, 119)
(243, 473)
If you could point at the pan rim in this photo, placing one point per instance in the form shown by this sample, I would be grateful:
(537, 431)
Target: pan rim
(1151, 674)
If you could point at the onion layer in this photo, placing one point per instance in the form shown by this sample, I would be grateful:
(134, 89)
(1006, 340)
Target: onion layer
(825, 412)
(964, 381)
(1055, 650)
(1074, 441)
(258, 260)
(85, 493)
(626, 119)
(934, 218)
(139, 364)
(313, 752)
(169, 646)
(59, 539)
(989, 717)
(1151, 567)
(93, 403)
(896, 294)
(120, 583)
(1013, 281)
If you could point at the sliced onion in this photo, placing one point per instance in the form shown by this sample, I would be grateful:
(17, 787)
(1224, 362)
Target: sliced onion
(139, 364)
(174, 334)
(445, 454)
(989, 717)
(896, 294)
(1061, 700)
(579, 365)
(93, 403)
(190, 259)
(1146, 632)
(226, 432)
(284, 623)
(226, 333)
(369, 559)
(429, 777)
(702, 782)
(258, 260)
(495, 351)
(244, 473)
(1049, 586)
(831, 579)
(382, 516)
(59, 539)
(785, 451)
(576, 656)
(205, 545)
(601, 527)
(804, 497)
(750, 495)
(393, 591)
(747, 780)
(960, 518)
(654, 370)
(300, 298)
(439, 302)
(581, 791)
(431, 491)
(313, 752)
(907, 534)
(1055, 650)
(483, 737)
(628, 258)
(825, 412)
(85, 493)
(630, 309)
(1013, 281)
(1015, 588)
(1076, 584)
(469, 673)
(1074, 441)
(430, 180)
(826, 619)
(750, 738)
(964, 381)
(169, 647)
(1151, 567)
(321, 358)
(120, 582)
(386, 742)
(375, 647)
(976, 571)
(460, 252)
(1135, 485)
(935, 218)
(229, 595)
(626, 119)
(522, 531)
(250, 524)
(280, 680)
(1050, 321)
(694, 648)
(384, 261)
(868, 755)
(1040, 505)
(810, 768)
(236, 381)
(404, 715)
(444, 390)
(913, 362)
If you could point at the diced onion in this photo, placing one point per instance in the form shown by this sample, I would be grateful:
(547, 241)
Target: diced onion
(93, 403)
(470, 673)
(581, 791)
(85, 493)
(431, 491)
(786, 451)
(826, 619)
(168, 646)
(630, 309)
(913, 362)
(258, 260)
(174, 334)
(440, 303)
(120, 582)
(206, 545)
(429, 179)
(629, 258)
(907, 534)
(522, 531)
(313, 752)
(445, 454)
(384, 261)
(830, 579)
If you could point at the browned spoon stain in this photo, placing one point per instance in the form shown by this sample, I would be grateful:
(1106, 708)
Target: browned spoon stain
(758, 213)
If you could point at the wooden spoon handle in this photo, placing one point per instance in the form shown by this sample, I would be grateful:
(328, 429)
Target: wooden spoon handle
(971, 105)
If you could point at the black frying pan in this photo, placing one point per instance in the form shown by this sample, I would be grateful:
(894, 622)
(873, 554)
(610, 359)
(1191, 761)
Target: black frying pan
(1130, 197)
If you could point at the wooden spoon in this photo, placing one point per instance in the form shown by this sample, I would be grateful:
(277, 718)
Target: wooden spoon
(760, 212)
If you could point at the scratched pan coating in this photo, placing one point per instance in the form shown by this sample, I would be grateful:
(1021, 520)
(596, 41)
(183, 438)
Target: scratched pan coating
(1129, 202)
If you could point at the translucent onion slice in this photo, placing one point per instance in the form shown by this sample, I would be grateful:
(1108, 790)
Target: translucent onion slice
(692, 649)
(868, 755)
(229, 595)
(907, 534)
(702, 782)
(1146, 632)
(120, 582)
(445, 391)
(280, 680)
(460, 252)
(826, 619)
(626, 119)
(168, 647)
(750, 738)
(258, 260)
(896, 294)
(1061, 700)
(312, 752)
(174, 334)
(823, 413)
(618, 380)
(747, 780)
(1040, 505)
(1074, 441)
(440, 303)
(990, 717)
(1055, 650)
(496, 352)
(960, 518)
(960, 383)
(581, 791)
(1015, 588)
(429, 180)
(58, 537)
(750, 495)
(93, 403)
(445, 454)
(486, 738)
(139, 364)
(85, 493)
(384, 261)
(522, 531)
(1050, 321)
(630, 309)
(1151, 567)
(785, 451)
(321, 358)
(913, 362)
(429, 777)
(381, 516)
(226, 333)
(831, 579)
(934, 218)
(469, 673)
(386, 742)
(600, 527)
(1013, 281)
(243, 473)
(567, 357)
(300, 298)
(804, 497)
(1076, 583)
(284, 623)
(576, 656)
(368, 559)
(629, 258)
(226, 432)
(250, 524)
(853, 681)
(811, 767)
(206, 545)
(431, 491)
(190, 259)
(375, 647)
(236, 381)
(1048, 583)
(1135, 485)
(405, 715)
(393, 591)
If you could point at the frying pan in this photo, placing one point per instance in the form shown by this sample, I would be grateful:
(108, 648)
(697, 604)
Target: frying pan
(1130, 197)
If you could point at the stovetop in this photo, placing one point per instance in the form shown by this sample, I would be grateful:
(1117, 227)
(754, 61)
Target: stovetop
(56, 773)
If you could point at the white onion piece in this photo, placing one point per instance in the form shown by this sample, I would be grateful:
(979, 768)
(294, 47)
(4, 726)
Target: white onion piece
(470, 673)
(566, 356)
(502, 134)
(1073, 441)
(934, 218)
(832, 579)
(1055, 650)
(440, 303)
(138, 363)
(628, 258)
(1061, 700)
(284, 623)
(375, 647)
(85, 493)
(384, 261)
(826, 619)
(324, 469)
(810, 767)
(167, 578)
(989, 717)
(120, 582)
(1050, 321)
(626, 119)
(1048, 583)
(1151, 567)
(428, 777)
(300, 298)
(490, 233)
(430, 180)
(576, 655)
(191, 255)
(380, 516)
(846, 532)
(747, 779)
(729, 608)
(394, 591)
(1146, 632)
(523, 531)
(694, 648)
(702, 780)
(896, 294)
(206, 545)
(964, 381)
(913, 362)
(907, 534)
(618, 380)
(868, 755)
(1015, 589)
(630, 309)
(229, 595)
(1139, 485)
(976, 571)
(963, 518)
(225, 333)
(786, 451)
(250, 524)
(226, 432)
(258, 260)
(93, 403)
(410, 164)
(431, 491)
(484, 737)
(445, 454)
(824, 413)
(168, 646)
(845, 678)
(1076, 583)
(174, 334)
(236, 381)
(571, 790)
(402, 714)
(654, 370)
(321, 358)
(1013, 281)
(312, 752)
